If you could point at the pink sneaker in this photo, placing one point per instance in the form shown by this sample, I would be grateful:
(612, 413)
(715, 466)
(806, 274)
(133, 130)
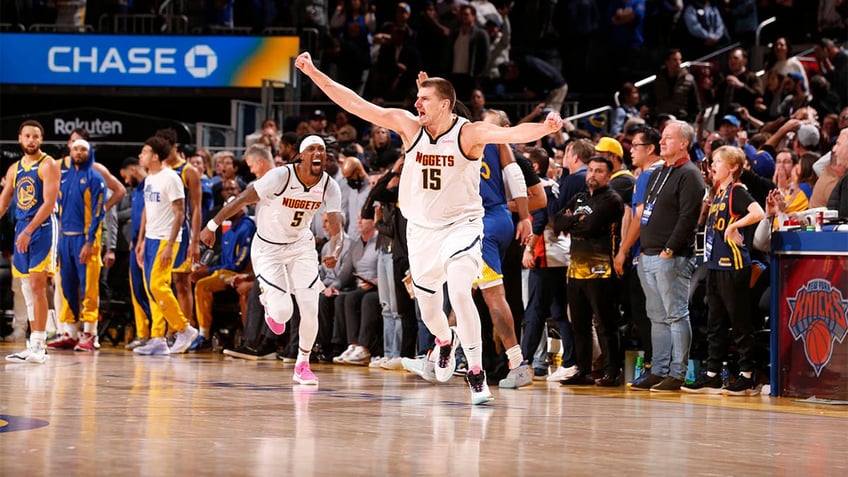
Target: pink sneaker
(276, 327)
(304, 375)
(65, 342)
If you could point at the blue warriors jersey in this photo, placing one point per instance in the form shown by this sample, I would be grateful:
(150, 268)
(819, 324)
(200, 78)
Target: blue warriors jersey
(137, 210)
(725, 209)
(29, 189)
(491, 178)
(81, 196)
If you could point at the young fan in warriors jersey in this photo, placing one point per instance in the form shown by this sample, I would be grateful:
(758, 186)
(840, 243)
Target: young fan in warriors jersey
(439, 194)
(732, 213)
(283, 252)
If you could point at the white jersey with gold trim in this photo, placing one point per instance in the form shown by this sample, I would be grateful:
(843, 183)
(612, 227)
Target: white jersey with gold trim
(439, 185)
(286, 205)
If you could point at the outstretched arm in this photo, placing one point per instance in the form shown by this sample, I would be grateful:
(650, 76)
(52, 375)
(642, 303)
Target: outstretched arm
(398, 120)
(480, 133)
(248, 197)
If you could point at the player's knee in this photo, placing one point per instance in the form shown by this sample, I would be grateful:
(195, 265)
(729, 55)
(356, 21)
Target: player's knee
(279, 306)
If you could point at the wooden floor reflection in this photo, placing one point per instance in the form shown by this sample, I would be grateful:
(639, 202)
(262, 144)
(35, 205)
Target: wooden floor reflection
(113, 413)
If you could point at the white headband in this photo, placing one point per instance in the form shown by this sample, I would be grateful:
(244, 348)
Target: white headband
(81, 142)
(310, 140)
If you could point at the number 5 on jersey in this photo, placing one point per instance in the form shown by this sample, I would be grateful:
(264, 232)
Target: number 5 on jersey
(298, 218)
(431, 179)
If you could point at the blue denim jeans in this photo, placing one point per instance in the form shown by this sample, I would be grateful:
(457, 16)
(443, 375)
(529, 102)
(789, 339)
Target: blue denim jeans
(666, 285)
(388, 301)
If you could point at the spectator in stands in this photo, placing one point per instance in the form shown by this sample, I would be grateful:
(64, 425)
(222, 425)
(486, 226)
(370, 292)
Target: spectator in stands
(355, 189)
(397, 65)
(469, 54)
(269, 129)
(385, 190)
(825, 101)
(532, 78)
(384, 222)
(628, 98)
(436, 36)
(831, 21)
(500, 34)
(317, 123)
(220, 13)
(378, 143)
(729, 229)
(740, 85)
(353, 25)
(626, 19)
(358, 320)
(833, 64)
(547, 257)
(741, 20)
(288, 147)
(704, 28)
(839, 196)
(796, 95)
(675, 91)
(229, 167)
(477, 105)
(833, 172)
(591, 218)
(669, 222)
(766, 109)
(806, 175)
(781, 60)
(728, 128)
(786, 179)
(234, 259)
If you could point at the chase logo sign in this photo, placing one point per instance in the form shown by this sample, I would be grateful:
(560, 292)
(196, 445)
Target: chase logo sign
(819, 316)
(145, 60)
(201, 61)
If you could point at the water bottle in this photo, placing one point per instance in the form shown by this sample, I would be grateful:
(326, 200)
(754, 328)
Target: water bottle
(725, 374)
(640, 367)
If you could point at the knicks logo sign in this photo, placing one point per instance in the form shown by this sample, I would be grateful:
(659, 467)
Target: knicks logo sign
(819, 316)
(26, 193)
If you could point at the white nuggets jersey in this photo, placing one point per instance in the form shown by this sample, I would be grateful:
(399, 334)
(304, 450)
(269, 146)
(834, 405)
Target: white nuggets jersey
(439, 185)
(286, 206)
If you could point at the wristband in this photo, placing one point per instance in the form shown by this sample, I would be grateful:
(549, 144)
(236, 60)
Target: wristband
(211, 225)
(24, 232)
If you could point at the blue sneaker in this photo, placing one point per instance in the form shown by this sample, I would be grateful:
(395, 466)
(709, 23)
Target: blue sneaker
(200, 344)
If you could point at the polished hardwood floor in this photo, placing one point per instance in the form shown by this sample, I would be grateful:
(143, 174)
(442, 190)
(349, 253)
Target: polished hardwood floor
(113, 413)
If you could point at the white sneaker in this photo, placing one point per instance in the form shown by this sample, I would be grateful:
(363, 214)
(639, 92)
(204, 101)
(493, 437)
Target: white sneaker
(20, 356)
(340, 359)
(360, 356)
(154, 347)
(183, 340)
(392, 364)
(446, 359)
(38, 354)
(413, 365)
(377, 361)
(476, 379)
(136, 343)
(563, 373)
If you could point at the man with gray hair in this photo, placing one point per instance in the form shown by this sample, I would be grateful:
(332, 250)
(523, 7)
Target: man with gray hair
(669, 221)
